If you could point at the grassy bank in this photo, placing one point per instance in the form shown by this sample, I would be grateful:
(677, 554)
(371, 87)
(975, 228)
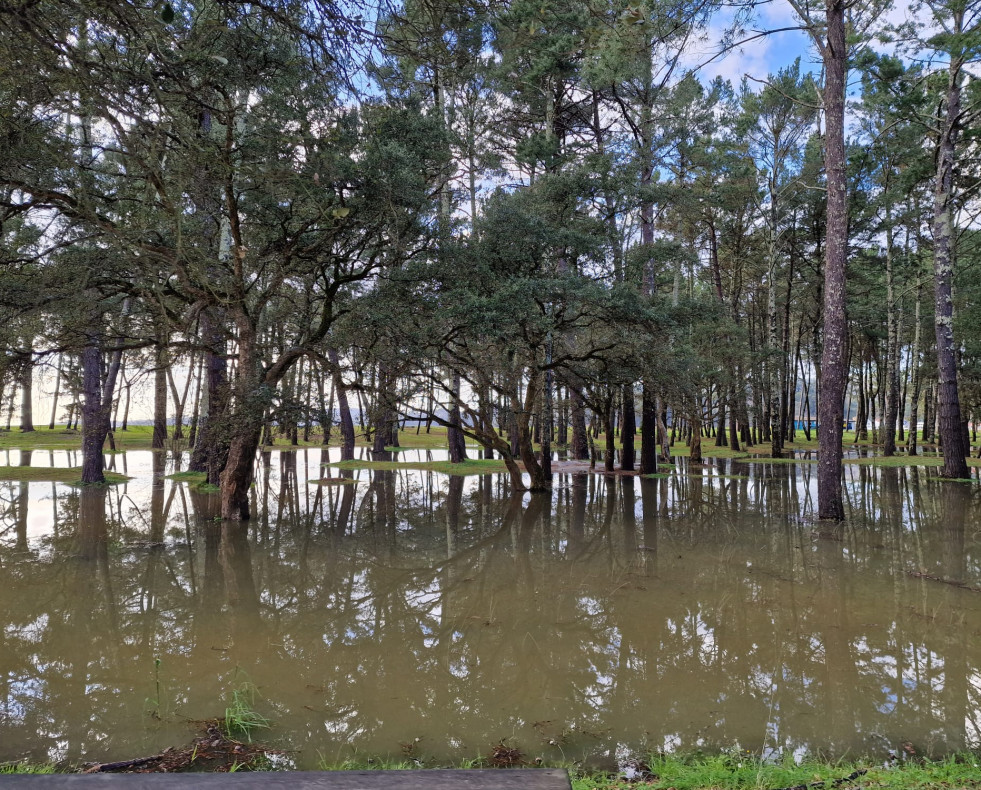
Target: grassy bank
(472, 467)
(729, 771)
(197, 480)
(733, 771)
(137, 437)
(45, 474)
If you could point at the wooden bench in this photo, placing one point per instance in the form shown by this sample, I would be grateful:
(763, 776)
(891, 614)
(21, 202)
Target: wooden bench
(483, 779)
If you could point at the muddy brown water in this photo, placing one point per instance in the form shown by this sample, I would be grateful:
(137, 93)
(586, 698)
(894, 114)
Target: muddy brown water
(411, 613)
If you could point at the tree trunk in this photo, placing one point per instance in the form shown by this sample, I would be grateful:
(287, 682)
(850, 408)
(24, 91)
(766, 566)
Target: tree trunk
(892, 355)
(210, 445)
(343, 407)
(27, 394)
(773, 361)
(834, 355)
(580, 444)
(949, 408)
(648, 430)
(629, 429)
(95, 424)
(914, 361)
(97, 403)
(454, 436)
(54, 401)
(161, 364)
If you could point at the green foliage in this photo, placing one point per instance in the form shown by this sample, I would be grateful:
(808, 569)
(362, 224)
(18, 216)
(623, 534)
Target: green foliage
(241, 717)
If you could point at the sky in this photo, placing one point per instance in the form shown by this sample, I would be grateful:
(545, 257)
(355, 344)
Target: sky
(767, 54)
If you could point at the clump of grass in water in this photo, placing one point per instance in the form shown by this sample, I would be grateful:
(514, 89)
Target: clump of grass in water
(241, 717)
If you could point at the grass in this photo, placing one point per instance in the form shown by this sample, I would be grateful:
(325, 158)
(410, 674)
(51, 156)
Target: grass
(473, 467)
(241, 717)
(56, 474)
(26, 768)
(136, 437)
(726, 771)
(729, 771)
(139, 437)
(408, 440)
(735, 772)
(198, 480)
(332, 481)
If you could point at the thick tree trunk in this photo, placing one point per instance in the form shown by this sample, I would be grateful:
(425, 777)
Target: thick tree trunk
(192, 435)
(161, 364)
(914, 361)
(892, 356)
(95, 422)
(343, 407)
(454, 436)
(385, 418)
(538, 480)
(629, 429)
(949, 408)
(97, 403)
(580, 443)
(236, 477)
(773, 362)
(648, 430)
(54, 400)
(609, 437)
(834, 356)
(27, 394)
(210, 446)
(695, 443)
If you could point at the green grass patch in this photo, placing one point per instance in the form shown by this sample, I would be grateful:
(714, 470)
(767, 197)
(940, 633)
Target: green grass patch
(26, 768)
(765, 459)
(905, 460)
(198, 480)
(55, 474)
(189, 477)
(736, 772)
(728, 771)
(658, 475)
(332, 481)
(136, 437)
(241, 717)
(473, 467)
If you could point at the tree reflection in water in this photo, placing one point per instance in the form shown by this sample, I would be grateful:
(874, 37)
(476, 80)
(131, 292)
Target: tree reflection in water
(697, 610)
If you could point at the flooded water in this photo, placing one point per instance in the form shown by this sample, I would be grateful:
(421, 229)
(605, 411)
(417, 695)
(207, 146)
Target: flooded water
(409, 613)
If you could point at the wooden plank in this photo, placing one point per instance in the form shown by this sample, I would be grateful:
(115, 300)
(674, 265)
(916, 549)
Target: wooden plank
(485, 779)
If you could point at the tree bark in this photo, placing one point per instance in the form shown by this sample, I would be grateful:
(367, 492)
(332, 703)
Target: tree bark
(454, 436)
(161, 364)
(834, 355)
(629, 429)
(57, 389)
(27, 393)
(948, 405)
(892, 354)
(210, 446)
(343, 407)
